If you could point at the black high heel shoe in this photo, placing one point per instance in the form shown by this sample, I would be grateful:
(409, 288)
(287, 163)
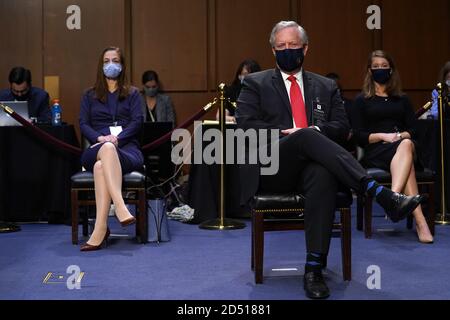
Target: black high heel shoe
(90, 247)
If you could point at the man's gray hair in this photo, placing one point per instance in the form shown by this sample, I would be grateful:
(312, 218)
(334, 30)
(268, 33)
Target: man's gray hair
(288, 24)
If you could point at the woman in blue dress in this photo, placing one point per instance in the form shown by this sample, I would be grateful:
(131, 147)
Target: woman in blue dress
(110, 118)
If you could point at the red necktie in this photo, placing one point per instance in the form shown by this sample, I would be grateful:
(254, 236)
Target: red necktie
(297, 104)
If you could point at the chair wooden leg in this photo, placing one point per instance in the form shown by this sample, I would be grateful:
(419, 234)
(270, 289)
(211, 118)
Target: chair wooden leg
(359, 212)
(252, 259)
(409, 222)
(85, 221)
(74, 199)
(346, 244)
(259, 246)
(143, 220)
(368, 217)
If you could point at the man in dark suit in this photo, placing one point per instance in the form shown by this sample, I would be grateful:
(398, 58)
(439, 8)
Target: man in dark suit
(309, 112)
(22, 90)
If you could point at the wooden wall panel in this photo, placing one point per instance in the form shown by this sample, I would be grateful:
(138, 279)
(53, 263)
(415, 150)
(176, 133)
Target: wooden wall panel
(21, 38)
(188, 103)
(243, 30)
(339, 40)
(170, 37)
(73, 55)
(416, 33)
(194, 45)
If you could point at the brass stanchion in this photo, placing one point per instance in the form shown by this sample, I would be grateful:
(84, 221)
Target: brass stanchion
(222, 223)
(444, 215)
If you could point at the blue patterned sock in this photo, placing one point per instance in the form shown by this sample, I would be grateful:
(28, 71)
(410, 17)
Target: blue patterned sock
(313, 262)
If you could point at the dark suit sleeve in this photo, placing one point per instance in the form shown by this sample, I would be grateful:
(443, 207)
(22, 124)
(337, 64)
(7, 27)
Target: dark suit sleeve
(360, 131)
(248, 113)
(133, 128)
(170, 111)
(410, 117)
(43, 108)
(337, 127)
(85, 123)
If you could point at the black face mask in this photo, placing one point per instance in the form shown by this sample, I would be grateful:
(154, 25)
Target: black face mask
(381, 76)
(290, 59)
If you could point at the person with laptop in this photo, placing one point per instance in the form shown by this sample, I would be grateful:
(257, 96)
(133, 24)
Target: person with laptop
(21, 89)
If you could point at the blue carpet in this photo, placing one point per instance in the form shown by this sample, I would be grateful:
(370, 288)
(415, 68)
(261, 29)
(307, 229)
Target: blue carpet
(206, 265)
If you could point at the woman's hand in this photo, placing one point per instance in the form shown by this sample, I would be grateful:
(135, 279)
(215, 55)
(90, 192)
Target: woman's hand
(390, 137)
(110, 138)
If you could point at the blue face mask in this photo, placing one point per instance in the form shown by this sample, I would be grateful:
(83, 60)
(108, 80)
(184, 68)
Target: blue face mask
(112, 69)
(381, 76)
(290, 59)
(151, 92)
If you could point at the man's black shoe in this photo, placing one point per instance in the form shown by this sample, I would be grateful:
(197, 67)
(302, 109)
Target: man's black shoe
(400, 205)
(314, 285)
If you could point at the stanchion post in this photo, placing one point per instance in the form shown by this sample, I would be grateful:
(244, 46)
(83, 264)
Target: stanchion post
(222, 223)
(443, 216)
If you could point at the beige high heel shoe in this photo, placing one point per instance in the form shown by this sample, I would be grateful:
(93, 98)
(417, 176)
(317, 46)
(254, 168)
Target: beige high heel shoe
(423, 239)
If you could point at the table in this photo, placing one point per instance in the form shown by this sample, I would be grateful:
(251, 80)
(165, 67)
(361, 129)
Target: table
(35, 175)
(203, 189)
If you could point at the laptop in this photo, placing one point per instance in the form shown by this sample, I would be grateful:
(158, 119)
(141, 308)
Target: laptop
(20, 107)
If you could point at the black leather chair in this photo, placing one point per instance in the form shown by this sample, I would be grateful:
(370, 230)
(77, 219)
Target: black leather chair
(82, 194)
(425, 182)
(279, 212)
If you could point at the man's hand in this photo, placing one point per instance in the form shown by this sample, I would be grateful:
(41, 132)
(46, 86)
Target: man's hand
(289, 131)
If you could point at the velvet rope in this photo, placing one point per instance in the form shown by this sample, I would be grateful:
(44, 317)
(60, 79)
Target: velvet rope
(77, 151)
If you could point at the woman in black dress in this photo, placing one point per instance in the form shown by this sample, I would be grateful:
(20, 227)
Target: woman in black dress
(110, 118)
(384, 129)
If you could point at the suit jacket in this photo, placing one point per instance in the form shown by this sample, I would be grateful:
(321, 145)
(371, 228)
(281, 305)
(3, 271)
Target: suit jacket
(264, 104)
(164, 109)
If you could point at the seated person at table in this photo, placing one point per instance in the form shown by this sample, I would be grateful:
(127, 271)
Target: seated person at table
(157, 107)
(22, 90)
(444, 79)
(110, 118)
(384, 128)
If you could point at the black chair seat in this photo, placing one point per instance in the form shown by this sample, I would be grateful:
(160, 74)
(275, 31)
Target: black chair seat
(85, 179)
(290, 206)
(382, 176)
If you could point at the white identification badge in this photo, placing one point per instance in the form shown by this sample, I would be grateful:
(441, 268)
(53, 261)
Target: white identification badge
(115, 131)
